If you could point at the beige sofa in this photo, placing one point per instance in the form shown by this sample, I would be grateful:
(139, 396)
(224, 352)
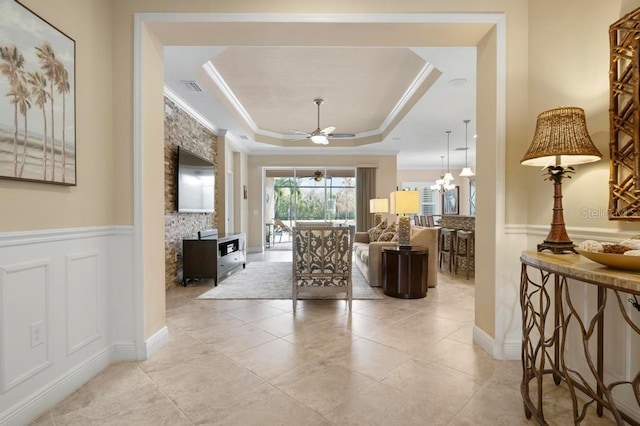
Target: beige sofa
(368, 255)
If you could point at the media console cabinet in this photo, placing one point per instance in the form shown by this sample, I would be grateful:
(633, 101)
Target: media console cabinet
(212, 256)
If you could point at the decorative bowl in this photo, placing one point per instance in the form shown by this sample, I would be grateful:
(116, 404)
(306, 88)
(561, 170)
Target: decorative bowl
(616, 261)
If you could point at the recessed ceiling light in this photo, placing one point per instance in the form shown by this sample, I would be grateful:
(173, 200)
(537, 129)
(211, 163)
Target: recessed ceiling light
(244, 137)
(397, 138)
(458, 82)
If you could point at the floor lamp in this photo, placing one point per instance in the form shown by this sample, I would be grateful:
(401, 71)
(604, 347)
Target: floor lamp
(560, 140)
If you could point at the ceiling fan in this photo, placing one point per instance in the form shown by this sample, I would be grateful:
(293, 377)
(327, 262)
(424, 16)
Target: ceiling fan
(317, 176)
(321, 136)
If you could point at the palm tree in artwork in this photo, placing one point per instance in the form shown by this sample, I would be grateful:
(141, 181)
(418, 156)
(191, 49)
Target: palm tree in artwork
(62, 84)
(47, 58)
(11, 67)
(21, 98)
(41, 96)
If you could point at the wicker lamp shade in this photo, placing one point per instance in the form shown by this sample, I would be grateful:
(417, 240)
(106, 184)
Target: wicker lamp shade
(561, 138)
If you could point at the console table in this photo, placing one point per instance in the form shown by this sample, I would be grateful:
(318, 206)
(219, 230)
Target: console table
(404, 272)
(548, 311)
(212, 255)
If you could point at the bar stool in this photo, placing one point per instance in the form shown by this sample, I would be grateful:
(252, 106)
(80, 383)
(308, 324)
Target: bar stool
(464, 249)
(446, 247)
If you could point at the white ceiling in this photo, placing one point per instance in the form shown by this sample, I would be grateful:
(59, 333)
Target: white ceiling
(397, 100)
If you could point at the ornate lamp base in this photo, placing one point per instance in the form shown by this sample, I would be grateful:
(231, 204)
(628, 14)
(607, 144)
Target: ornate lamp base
(404, 232)
(558, 241)
(558, 248)
(378, 219)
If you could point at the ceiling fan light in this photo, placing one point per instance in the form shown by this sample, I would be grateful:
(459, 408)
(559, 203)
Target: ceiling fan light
(466, 172)
(320, 139)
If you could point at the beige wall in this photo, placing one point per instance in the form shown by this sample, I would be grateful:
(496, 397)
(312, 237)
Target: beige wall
(490, 186)
(152, 184)
(30, 206)
(575, 72)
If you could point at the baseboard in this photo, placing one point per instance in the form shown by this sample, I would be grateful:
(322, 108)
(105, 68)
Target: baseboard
(511, 350)
(27, 410)
(157, 341)
(483, 340)
(123, 352)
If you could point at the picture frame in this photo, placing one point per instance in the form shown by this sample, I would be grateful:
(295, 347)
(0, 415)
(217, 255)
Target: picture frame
(37, 99)
(450, 201)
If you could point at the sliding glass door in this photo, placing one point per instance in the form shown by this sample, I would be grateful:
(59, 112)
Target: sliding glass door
(310, 195)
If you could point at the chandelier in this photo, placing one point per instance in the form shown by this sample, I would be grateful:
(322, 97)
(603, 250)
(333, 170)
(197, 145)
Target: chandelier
(444, 184)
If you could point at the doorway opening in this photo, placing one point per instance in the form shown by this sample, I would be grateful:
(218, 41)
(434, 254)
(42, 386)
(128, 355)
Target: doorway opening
(306, 195)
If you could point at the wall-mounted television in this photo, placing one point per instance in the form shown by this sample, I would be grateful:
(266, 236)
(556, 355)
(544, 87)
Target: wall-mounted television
(195, 183)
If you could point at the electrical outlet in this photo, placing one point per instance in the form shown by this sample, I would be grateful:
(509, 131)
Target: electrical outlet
(37, 333)
(177, 256)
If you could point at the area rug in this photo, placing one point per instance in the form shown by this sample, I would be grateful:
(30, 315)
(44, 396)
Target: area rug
(272, 280)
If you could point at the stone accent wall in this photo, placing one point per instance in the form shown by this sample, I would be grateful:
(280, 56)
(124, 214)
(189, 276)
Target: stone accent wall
(468, 223)
(180, 129)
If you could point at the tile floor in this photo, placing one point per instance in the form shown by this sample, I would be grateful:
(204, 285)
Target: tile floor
(255, 362)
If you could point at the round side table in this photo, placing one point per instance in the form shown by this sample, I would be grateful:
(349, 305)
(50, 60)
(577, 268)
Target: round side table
(404, 272)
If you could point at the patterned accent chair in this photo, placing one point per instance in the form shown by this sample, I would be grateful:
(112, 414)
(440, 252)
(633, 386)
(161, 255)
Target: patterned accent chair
(322, 259)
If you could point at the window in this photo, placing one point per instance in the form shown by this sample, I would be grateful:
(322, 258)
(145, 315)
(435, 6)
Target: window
(302, 196)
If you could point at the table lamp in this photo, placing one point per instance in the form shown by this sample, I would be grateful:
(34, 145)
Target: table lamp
(560, 140)
(403, 202)
(377, 206)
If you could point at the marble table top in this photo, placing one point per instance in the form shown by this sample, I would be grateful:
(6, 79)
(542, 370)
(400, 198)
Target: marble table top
(580, 268)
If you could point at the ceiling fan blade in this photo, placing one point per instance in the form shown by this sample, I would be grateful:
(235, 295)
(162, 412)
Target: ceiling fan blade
(328, 130)
(341, 135)
(297, 132)
(298, 139)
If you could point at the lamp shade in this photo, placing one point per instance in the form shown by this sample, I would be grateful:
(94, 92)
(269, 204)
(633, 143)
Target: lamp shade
(403, 202)
(466, 172)
(379, 205)
(561, 138)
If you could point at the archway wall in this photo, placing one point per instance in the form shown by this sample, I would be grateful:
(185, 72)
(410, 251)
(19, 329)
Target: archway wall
(510, 99)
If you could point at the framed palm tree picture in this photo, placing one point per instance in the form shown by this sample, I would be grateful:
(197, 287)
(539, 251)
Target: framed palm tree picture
(37, 98)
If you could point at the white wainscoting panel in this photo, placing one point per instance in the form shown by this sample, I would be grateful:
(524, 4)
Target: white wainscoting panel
(76, 286)
(25, 296)
(82, 299)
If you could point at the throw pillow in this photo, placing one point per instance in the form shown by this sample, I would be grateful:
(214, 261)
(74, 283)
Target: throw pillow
(376, 231)
(387, 236)
(388, 233)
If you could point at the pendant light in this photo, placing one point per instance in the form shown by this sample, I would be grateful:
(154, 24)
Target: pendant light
(441, 184)
(448, 176)
(466, 172)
